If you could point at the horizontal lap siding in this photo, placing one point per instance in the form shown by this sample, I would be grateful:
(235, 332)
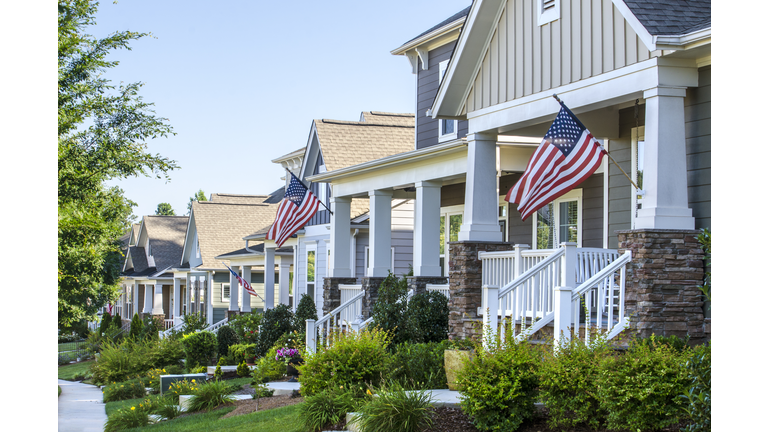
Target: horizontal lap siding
(590, 38)
(698, 147)
(402, 236)
(619, 198)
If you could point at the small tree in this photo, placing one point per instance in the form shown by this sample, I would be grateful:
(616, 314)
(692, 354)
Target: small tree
(137, 327)
(277, 321)
(305, 310)
(198, 196)
(389, 311)
(165, 209)
(106, 321)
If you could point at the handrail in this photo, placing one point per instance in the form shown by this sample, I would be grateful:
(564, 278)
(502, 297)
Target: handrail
(340, 308)
(216, 326)
(602, 274)
(531, 272)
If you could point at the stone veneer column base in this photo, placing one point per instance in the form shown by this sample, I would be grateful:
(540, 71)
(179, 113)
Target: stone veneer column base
(371, 289)
(465, 287)
(331, 292)
(231, 314)
(419, 283)
(662, 294)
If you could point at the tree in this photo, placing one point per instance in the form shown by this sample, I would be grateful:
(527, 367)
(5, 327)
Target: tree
(165, 209)
(102, 135)
(198, 196)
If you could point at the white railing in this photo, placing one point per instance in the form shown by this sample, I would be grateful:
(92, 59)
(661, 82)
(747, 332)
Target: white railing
(171, 329)
(216, 326)
(347, 292)
(167, 323)
(441, 288)
(528, 299)
(320, 331)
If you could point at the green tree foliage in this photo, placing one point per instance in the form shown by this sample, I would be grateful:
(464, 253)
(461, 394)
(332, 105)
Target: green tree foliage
(165, 209)
(389, 311)
(198, 196)
(102, 135)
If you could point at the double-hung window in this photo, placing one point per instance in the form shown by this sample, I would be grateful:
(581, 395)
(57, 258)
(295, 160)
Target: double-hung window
(451, 219)
(310, 263)
(225, 292)
(447, 129)
(558, 221)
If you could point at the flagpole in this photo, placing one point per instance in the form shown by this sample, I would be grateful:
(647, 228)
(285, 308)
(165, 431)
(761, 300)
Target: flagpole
(319, 200)
(554, 95)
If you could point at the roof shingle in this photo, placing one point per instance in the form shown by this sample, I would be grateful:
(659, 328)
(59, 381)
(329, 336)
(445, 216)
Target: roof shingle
(672, 17)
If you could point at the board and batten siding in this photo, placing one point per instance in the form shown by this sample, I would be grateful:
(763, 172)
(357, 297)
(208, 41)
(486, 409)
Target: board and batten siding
(428, 82)
(590, 38)
(323, 193)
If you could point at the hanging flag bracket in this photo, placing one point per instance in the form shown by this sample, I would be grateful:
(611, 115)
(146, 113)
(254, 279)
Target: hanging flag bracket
(639, 191)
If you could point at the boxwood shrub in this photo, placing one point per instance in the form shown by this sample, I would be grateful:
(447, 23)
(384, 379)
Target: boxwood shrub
(428, 312)
(199, 348)
(275, 323)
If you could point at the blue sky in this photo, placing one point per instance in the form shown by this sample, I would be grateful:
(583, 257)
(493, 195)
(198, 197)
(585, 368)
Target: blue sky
(241, 82)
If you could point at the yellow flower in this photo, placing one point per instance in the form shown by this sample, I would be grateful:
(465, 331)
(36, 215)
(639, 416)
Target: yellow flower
(193, 380)
(369, 392)
(133, 408)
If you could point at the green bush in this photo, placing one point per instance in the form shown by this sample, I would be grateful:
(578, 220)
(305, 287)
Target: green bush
(119, 361)
(226, 337)
(246, 326)
(353, 359)
(499, 386)
(276, 322)
(389, 313)
(106, 322)
(269, 369)
(672, 342)
(697, 399)
(210, 395)
(396, 410)
(640, 389)
(199, 348)
(181, 387)
(241, 352)
(193, 322)
(127, 418)
(326, 408)
(117, 322)
(151, 328)
(167, 353)
(130, 389)
(243, 370)
(137, 327)
(568, 383)
(420, 366)
(304, 310)
(428, 313)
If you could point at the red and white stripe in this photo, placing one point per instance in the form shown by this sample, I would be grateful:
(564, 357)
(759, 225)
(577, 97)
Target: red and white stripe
(550, 175)
(290, 218)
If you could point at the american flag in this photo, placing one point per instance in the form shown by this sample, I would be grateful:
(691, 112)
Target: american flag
(568, 154)
(294, 211)
(243, 282)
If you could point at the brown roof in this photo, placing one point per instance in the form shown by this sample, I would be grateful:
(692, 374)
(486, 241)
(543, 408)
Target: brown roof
(166, 237)
(222, 226)
(237, 198)
(403, 119)
(346, 143)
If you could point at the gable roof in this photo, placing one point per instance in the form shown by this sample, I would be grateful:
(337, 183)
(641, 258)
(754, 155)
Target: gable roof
(237, 198)
(347, 143)
(455, 17)
(221, 226)
(379, 117)
(166, 238)
(671, 17)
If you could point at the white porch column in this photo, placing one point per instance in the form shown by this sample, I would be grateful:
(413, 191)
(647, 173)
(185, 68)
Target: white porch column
(209, 299)
(296, 294)
(665, 177)
(135, 294)
(481, 197)
(246, 297)
(340, 237)
(269, 277)
(157, 307)
(379, 249)
(284, 272)
(426, 230)
(176, 300)
(234, 289)
(148, 290)
(191, 280)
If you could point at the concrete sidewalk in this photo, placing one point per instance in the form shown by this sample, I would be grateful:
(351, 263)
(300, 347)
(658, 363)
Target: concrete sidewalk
(442, 397)
(81, 408)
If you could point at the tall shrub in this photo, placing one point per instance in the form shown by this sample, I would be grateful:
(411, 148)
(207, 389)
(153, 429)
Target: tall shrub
(199, 348)
(353, 360)
(305, 310)
(499, 386)
(106, 321)
(420, 366)
(389, 311)
(226, 337)
(697, 399)
(641, 389)
(276, 322)
(428, 312)
(137, 326)
(247, 326)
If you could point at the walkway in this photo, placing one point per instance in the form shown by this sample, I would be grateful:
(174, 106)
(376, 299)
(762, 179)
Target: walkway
(442, 397)
(81, 408)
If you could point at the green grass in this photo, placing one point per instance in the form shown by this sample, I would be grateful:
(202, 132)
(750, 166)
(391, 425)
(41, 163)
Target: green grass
(284, 419)
(116, 405)
(59, 390)
(68, 372)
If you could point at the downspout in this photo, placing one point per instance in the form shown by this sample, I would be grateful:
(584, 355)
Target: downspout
(247, 248)
(353, 255)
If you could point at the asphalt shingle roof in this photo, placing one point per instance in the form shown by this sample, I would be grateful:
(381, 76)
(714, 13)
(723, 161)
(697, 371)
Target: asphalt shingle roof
(346, 143)
(238, 198)
(379, 117)
(672, 17)
(166, 237)
(222, 226)
(458, 15)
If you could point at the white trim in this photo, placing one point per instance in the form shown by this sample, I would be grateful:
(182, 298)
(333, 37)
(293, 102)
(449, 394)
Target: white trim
(637, 132)
(552, 13)
(447, 212)
(633, 22)
(606, 190)
(427, 37)
(227, 298)
(574, 195)
(392, 260)
(441, 137)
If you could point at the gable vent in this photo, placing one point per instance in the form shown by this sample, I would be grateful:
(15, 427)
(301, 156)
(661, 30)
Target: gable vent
(549, 11)
(548, 4)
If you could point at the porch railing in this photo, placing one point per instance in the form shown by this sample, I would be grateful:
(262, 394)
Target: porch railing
(355, 308)
(217, 325)
(528, 299)
(441, 288)
(171, 329)
(319, 332)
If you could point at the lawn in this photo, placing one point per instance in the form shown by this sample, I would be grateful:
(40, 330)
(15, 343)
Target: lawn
(68, 372)
(284, 419)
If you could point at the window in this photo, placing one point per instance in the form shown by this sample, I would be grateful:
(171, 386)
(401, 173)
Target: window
(311, 250)
(447, 129)
(549, 10)
(558, 221)
(225, 293)
(638, 156)
(503, 205)
(455, 216)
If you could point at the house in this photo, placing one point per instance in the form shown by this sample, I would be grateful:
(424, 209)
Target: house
(636, 73)
(332, 145)
(147, 276)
